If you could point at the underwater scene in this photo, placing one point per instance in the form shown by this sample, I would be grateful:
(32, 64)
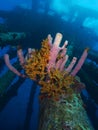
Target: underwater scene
(49, 65)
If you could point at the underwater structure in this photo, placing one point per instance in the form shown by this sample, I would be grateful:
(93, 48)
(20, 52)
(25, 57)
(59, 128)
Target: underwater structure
(11, 37)
(61, 106)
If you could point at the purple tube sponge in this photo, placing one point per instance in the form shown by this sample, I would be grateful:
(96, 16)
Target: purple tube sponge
(80, 62)
(14, 70)
(55, 49)
(20, 56)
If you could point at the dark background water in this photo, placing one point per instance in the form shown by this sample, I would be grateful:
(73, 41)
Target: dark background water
(77, 21)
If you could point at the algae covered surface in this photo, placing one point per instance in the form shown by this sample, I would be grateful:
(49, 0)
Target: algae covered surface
(64, 114)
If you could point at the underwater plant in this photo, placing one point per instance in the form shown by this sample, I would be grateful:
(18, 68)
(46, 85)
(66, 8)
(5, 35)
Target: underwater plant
(48, 67)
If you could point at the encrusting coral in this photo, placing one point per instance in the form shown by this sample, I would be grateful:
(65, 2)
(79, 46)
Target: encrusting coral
(53, 82)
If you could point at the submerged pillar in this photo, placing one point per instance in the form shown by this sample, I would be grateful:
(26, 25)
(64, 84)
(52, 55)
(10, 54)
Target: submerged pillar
(63, 114)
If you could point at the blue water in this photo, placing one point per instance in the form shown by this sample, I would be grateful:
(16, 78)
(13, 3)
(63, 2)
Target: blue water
(14, 114)
(78, 22)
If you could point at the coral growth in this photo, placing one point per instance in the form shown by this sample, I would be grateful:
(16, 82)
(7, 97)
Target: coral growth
(47, 67)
